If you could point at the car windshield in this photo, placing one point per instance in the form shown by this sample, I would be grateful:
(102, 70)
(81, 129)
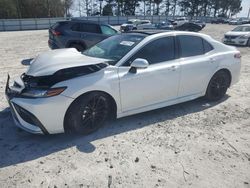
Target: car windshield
(242, 29)
(114, 48)
(129, 22)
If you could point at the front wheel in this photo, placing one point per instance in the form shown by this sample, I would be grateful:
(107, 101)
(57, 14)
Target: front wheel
(218, 86)
(248, 43)
(88, 113)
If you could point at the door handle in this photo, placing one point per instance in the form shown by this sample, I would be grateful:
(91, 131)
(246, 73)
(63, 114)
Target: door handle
(173, 68)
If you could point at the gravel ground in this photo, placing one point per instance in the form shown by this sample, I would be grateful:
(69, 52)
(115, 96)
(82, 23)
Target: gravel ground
(194, 144)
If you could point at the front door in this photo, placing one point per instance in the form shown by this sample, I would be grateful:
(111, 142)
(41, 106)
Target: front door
(159, 82)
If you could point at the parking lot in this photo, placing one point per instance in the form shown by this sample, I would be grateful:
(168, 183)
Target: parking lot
(186, 145)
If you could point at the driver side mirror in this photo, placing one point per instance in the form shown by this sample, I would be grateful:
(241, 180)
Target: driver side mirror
(138, 64)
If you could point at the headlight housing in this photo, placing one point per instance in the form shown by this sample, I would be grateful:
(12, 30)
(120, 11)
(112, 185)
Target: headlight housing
(42, 93)
(244, 37)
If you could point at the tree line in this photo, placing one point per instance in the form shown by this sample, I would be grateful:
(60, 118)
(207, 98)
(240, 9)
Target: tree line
(223, 8)
(63, 8)
(34, 8)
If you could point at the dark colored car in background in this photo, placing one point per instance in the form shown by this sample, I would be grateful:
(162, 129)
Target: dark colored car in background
(199, 22)
(189, 26)
(79, 34)
(218, 21)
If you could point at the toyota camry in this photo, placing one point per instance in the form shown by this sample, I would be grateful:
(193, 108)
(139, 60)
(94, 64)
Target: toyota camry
(69, 91)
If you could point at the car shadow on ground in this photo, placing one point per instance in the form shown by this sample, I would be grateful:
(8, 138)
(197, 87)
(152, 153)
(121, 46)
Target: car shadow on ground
(17, 146)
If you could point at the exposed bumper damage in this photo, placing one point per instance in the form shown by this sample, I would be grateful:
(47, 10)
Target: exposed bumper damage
(31, 113)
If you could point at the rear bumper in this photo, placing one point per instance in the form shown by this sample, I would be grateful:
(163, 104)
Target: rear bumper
(52, 44)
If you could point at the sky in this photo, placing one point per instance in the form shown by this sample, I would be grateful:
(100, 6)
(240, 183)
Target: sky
(245, 5)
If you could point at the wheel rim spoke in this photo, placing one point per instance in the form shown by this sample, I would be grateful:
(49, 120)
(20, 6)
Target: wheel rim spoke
(95, 112)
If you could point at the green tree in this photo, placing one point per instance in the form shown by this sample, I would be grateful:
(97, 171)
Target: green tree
(107, 10)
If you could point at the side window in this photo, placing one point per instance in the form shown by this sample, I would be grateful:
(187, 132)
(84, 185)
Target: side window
(90, 28)
(107, 30)
(207, 47)
(190, 45)
(160, 50)
(75, 27)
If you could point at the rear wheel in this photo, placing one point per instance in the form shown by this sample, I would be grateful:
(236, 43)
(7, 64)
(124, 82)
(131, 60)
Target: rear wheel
(218, 86)
(88, 113)
(78, 47)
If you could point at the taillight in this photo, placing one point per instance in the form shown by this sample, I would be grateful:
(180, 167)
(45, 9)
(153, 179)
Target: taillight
(56, 33)
(237, 55)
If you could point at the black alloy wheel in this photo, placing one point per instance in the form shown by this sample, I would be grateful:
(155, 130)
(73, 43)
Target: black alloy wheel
(87, 113)
(218, 86)
(95, 112)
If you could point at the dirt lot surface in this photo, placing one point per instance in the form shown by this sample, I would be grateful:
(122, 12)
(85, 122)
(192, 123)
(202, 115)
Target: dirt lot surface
(194, 144)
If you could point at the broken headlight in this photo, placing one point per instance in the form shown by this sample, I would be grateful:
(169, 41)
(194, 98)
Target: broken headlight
(41, 93)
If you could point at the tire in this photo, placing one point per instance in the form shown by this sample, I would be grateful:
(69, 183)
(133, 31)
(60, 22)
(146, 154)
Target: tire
(218, 86)
(248, 43)
(79, 47)
(87, 113)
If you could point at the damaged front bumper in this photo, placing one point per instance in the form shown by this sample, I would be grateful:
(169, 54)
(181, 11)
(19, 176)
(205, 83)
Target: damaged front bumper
(36, 115)
(22, 118)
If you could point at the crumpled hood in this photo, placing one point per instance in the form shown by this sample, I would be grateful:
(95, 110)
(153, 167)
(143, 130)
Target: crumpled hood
(49, 62)
(234, 33)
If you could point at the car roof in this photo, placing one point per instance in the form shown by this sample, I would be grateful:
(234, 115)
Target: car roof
(152, 33)
(148, 32)
(82, 20)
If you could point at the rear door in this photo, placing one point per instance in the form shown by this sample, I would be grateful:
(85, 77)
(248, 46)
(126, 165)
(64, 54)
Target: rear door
(197, 64)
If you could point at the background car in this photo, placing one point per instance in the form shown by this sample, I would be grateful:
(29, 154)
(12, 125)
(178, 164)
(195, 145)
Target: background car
(123, 75)
(79, 34)
(236, 22)
(180, 21)
(165, 26)
(161, 25)
(238, 36)
(189, 26)
(199, 22)
(134, 24)
(218, 21)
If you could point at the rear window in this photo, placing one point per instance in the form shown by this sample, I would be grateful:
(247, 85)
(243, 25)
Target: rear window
(90, 28)
(56, 25)
(207, 46)
(190, 45)
(193, 46)
(86, 27)
(75, 27)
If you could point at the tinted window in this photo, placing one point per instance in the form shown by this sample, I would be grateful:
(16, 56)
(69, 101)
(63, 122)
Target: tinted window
(191, 45)
(207, 47)
(107, 30)
(157, 51)
(90, 28)
(75, 27)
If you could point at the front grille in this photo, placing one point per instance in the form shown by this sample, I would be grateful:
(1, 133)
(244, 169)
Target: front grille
(230, 37)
